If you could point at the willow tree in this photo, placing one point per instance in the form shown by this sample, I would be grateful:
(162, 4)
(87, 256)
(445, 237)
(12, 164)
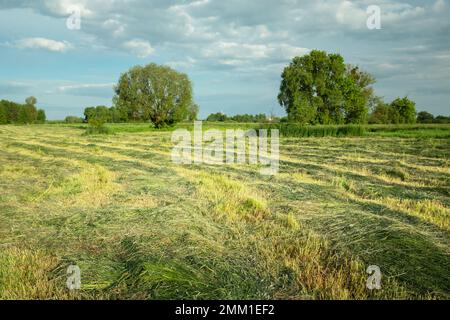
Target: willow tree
(154, 93)
(321, 88)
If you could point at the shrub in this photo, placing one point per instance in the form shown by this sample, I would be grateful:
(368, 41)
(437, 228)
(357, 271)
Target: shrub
(97, 126)
(73, 119)
(98, 130)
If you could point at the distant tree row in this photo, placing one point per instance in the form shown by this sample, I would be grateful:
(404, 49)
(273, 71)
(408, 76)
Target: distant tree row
(426, 117)
(73, 119)
(317, 88)
(219, 116)
(112, 114)
(399, 111)
(12, 112)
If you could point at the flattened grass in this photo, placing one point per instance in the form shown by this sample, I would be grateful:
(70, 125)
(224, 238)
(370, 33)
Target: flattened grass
(142, 227)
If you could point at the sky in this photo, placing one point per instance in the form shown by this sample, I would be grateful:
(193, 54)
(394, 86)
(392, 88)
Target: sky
(234, 51)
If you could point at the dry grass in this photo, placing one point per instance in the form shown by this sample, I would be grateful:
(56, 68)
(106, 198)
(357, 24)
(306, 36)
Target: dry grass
(26, 274)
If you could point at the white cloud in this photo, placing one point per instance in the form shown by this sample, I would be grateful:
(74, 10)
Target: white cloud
(85, 86)
(188, 63)
(439, 5)
(254, 37)
(87, 89)
(138, 47)
(288, 52)
(263, 32)
(43, 43)
(350, 14)
(117, 28)
(236, 54)
(67, 7)
(236, 50)
(406, 15)
(9, 87)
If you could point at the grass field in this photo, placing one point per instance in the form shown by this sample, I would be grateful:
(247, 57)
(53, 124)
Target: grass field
(142, 227)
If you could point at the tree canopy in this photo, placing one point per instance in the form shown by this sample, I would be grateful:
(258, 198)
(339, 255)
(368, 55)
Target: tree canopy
(155, 93)
(318, 88)
(399, 111)
(425, 117)
(221, 117)
(12, 112)
(404, 110)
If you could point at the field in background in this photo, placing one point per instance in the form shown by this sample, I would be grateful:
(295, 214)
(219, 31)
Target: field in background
(295, 130)
(142, 227)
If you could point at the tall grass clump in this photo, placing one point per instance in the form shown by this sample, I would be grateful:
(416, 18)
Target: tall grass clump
(440, 131)
(305, 131)
(97, 126)
(26, 274)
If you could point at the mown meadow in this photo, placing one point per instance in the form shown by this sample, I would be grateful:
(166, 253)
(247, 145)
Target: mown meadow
(142, 227)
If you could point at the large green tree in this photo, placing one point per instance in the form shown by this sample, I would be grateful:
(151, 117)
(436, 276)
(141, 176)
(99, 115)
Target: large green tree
(156, 93)
(425, 117)
(320, 88)
(406, 110)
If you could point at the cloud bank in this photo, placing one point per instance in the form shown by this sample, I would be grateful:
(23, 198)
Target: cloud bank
(235, 46)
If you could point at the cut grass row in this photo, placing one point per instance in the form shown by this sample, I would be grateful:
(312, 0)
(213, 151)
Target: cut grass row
(165, 231)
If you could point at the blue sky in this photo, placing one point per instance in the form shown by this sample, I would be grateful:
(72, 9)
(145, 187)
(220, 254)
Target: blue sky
(233, 51)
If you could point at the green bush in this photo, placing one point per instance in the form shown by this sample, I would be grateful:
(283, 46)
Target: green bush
(73, 119)
(98, 130)
(97, 126)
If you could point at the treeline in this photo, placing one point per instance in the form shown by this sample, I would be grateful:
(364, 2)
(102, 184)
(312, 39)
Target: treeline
(244, 118)
(426, 117)
(16, 113)
(105, 114)
(121, 115)
(316, 89)
(402, 111)
(399, 111)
